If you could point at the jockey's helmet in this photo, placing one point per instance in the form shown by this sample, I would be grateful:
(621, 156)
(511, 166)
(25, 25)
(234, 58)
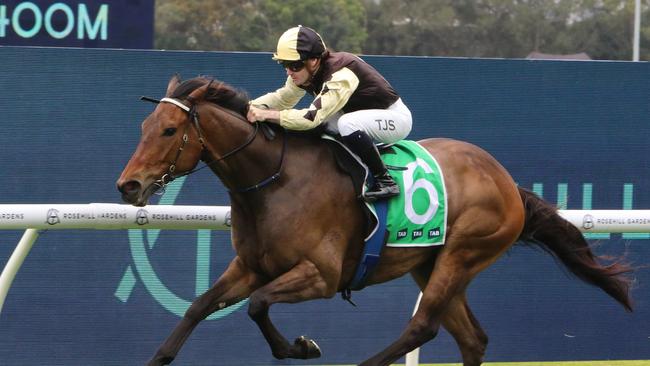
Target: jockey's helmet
(299, 44)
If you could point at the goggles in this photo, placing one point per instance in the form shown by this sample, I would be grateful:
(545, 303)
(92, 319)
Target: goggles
(294, 66)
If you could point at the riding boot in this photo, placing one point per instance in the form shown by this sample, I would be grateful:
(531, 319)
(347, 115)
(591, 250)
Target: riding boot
(362, 145)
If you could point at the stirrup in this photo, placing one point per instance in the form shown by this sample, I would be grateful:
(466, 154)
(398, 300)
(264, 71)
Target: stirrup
(380, 191)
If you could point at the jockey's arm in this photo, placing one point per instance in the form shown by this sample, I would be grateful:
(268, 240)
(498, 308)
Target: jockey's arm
(284, 98)
(333, 97)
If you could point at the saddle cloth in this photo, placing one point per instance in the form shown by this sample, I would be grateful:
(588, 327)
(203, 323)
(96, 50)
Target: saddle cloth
(418, 216)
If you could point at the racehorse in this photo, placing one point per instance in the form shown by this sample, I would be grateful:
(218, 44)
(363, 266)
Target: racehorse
(281, 183)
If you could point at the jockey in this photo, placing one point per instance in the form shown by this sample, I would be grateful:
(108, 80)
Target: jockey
(351, 99)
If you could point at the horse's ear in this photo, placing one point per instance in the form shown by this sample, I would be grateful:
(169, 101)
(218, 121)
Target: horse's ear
(173, 84)
(198, 93)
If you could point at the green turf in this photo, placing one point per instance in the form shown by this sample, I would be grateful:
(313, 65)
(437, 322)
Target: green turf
(564, 363)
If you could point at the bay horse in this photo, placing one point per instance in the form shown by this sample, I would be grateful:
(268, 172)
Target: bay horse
(291, 183)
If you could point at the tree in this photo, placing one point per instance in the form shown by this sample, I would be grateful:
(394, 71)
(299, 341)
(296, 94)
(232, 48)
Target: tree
(503, 28)
(463, 28)
(255, 25)
(606, 28)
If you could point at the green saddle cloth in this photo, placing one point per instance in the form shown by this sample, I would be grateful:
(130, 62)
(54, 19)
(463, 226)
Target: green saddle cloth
(418, 216)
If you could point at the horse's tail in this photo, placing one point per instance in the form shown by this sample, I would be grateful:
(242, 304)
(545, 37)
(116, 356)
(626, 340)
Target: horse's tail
(557, 236)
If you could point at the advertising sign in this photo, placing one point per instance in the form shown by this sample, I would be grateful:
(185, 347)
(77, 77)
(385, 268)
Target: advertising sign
(68, 23)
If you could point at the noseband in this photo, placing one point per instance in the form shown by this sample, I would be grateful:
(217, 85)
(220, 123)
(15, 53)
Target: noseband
(169, 176)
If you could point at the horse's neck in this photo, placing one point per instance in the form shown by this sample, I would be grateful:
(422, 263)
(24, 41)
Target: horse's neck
(312, 198)
(308, 170)
(225, 132)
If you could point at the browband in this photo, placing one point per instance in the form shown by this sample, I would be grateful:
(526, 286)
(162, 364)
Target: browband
(176, 103)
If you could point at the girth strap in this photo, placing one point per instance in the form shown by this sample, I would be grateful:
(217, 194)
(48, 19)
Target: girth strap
(371, 252)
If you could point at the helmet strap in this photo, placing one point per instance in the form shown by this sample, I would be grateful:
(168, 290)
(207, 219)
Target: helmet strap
(313, 74)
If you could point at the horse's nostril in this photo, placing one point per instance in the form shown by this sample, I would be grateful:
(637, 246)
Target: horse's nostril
(130, 187)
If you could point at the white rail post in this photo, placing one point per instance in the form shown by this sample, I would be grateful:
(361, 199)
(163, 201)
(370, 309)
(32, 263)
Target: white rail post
(413, 357)
(637, 31)
(15, 261)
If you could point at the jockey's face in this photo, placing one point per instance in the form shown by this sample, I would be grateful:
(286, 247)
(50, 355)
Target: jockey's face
(303, 76)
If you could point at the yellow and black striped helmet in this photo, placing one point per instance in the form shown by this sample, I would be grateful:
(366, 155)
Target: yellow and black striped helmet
(299, 43)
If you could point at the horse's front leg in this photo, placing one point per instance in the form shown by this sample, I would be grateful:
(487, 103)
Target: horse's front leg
(302, 282)
(234, 285)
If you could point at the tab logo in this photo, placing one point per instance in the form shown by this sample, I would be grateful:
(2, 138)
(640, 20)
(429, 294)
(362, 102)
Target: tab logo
(434, 233)
(402, 234)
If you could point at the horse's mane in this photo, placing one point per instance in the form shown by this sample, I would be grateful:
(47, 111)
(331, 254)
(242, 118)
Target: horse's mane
(219, 93)
(232, 98)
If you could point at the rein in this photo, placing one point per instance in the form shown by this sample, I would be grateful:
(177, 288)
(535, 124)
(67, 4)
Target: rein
(194, 118)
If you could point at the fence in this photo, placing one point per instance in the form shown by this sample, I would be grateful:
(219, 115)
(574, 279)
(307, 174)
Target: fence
(99, 216)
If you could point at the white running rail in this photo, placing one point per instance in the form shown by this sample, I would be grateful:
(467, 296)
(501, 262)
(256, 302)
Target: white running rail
(99, 216)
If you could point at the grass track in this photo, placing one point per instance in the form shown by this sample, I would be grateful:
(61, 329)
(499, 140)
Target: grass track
(557, 363)
(564, 363)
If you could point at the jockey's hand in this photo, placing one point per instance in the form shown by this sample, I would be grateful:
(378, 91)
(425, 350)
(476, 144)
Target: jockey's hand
(258, 114)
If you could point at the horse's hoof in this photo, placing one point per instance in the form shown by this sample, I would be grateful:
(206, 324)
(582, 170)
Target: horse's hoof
(308, 348)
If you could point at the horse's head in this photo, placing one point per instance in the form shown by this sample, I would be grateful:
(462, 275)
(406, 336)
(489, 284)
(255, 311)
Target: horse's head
(169, 144)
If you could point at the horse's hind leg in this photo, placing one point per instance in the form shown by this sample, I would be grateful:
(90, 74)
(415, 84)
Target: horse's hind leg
(302, 282)
(236, 284)
(445, 283)
(459, 322)
(457, 264)
(466, 330)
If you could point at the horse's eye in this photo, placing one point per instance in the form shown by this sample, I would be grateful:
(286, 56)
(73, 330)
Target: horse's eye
(169, 131)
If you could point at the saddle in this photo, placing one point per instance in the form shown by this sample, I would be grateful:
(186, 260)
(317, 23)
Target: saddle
(350, 164)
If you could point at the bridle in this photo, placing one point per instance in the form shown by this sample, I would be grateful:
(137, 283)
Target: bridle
(193, 115)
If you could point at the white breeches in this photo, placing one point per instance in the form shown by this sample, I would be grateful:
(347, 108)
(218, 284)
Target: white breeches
(382, 125)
